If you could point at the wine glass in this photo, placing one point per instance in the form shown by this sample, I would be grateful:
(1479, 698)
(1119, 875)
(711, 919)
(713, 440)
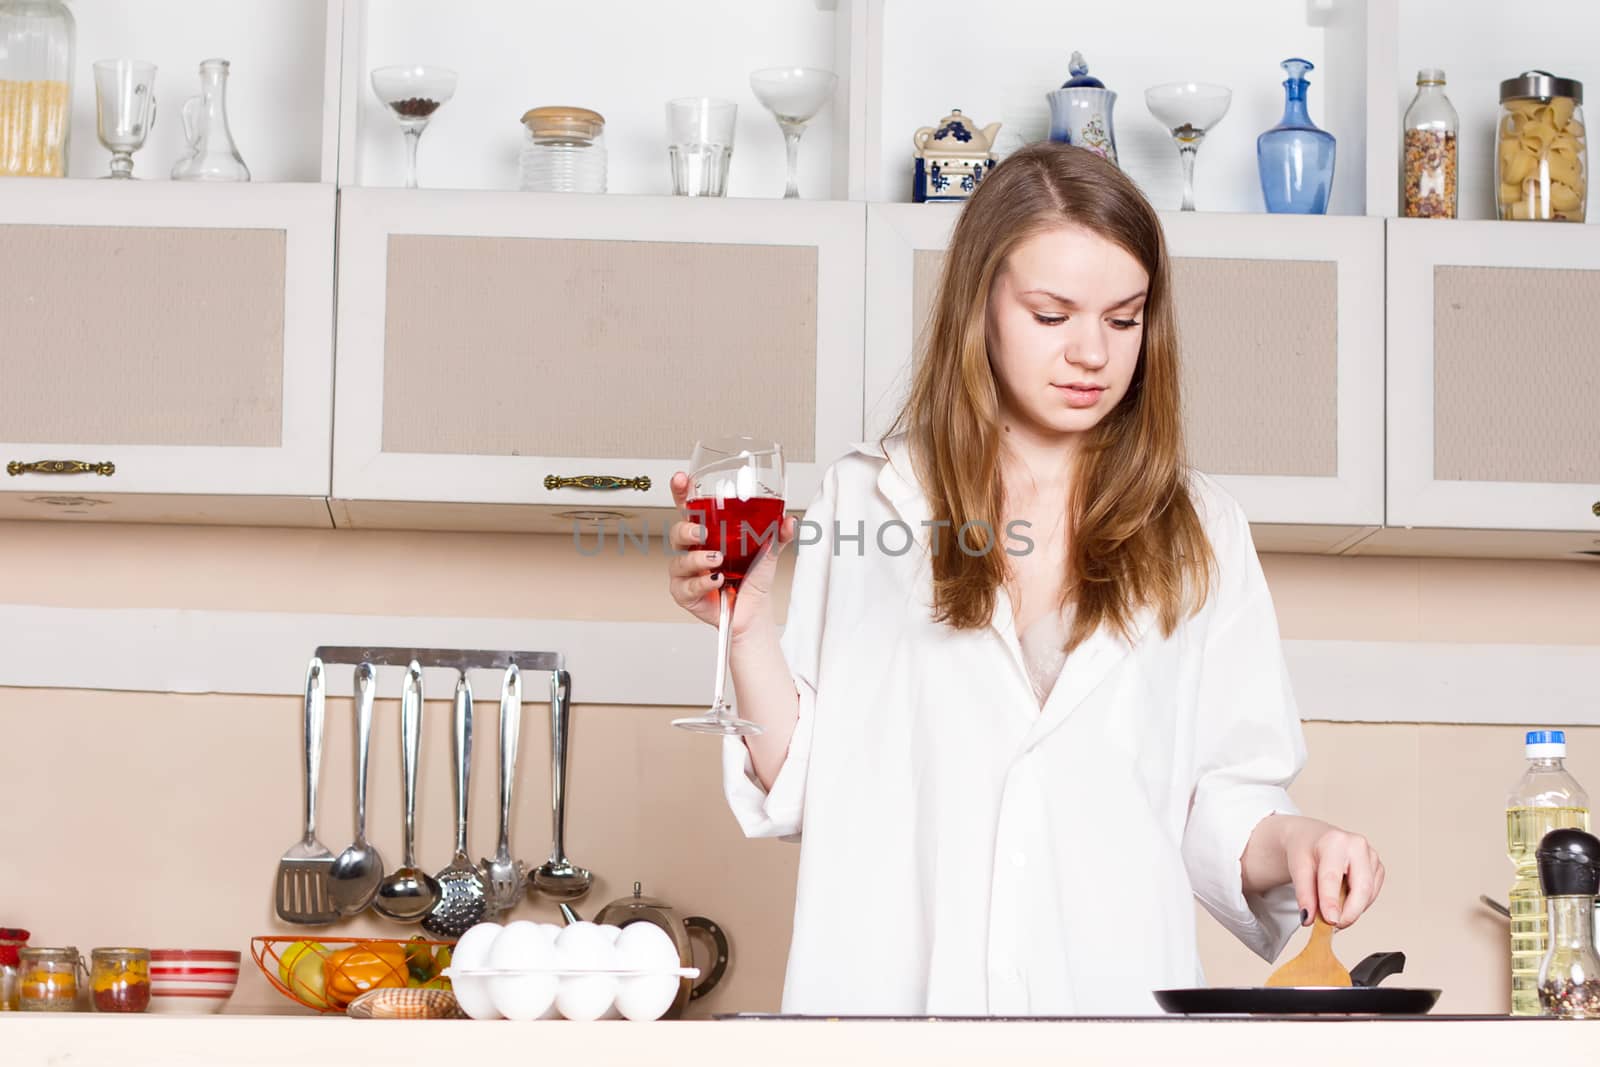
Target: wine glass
(125, 109)
(413, 94)
(1188, 110)
(794, 95)
(736, 493)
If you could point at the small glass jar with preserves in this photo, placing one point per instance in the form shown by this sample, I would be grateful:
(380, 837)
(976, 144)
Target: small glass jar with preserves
(1541, 154)
(50, 978)
(11, 941)
(119, 979)
(1428, 170)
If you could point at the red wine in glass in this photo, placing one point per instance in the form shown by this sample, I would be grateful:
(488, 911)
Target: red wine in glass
(739, 529)
(736, 490)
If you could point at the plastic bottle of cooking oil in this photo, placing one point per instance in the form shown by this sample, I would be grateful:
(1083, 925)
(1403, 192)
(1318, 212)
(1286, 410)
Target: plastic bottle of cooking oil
(1546, 798)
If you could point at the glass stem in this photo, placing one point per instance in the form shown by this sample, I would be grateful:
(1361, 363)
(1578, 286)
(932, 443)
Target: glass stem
(792, 132)
(1186, 154)
(719, 702)
(412, 137)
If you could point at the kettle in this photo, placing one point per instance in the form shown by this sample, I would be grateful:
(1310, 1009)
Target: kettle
(640, 908)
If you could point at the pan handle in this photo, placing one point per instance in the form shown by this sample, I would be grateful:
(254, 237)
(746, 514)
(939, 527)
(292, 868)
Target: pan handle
(1376, 967)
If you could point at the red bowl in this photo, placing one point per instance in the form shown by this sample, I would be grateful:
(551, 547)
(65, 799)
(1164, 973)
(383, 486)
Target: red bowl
(192, 981)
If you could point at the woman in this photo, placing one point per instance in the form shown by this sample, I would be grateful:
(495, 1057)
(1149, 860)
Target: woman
(1015, 753)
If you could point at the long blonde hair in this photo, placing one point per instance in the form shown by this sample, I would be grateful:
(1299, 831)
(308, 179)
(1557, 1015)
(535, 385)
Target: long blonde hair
(1135, 536)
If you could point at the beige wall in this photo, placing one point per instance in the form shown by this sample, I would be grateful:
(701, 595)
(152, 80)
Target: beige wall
(156, 819)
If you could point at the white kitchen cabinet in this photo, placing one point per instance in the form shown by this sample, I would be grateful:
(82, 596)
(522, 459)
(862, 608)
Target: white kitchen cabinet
(1493, 385)
(492, 344)
(167, 352)
(1281, 322)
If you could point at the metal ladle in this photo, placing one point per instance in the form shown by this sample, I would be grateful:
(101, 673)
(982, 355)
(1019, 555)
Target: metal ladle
(355, 875)
(410, 892)
(557, 878)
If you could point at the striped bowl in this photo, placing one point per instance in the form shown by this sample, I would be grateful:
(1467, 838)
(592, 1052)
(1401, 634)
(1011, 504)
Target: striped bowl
(192, 981)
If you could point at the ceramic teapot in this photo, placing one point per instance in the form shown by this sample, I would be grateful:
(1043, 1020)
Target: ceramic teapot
(952, 158)
(640, 908)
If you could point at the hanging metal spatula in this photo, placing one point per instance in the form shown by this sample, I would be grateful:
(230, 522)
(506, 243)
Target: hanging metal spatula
(302, 882)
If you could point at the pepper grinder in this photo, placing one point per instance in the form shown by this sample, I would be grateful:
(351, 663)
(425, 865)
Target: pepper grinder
(1569, 877)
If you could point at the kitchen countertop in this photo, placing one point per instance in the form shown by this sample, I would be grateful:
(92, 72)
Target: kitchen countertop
(82, 1039)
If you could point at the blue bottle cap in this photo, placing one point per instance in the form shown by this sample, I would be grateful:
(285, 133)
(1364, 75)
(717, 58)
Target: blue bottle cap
(1546, 737)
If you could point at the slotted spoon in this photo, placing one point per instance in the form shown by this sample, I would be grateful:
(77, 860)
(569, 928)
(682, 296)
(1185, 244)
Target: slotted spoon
(302, 884)
(461, 888)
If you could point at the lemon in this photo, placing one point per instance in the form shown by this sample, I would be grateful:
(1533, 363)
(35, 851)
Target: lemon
(308, 979)
(292, 955)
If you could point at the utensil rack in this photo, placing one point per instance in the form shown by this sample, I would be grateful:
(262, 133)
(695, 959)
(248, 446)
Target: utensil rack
(459, 659)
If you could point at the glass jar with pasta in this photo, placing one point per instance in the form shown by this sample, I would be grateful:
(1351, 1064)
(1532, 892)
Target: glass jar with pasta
(37, 38)
(1541, 153)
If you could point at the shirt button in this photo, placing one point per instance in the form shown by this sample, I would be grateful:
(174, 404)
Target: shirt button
(1018, 860)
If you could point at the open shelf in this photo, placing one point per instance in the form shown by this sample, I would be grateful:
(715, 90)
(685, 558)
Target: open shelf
(282, 109)
(622, 58)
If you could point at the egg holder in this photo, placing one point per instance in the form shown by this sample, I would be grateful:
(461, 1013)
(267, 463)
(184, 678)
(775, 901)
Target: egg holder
(476, 997)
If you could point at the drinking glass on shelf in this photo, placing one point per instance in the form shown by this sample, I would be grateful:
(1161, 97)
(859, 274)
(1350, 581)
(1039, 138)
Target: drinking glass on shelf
(1189, 110)
(700, 144)
(413, 94)
(794, 95)
(125, 109)
(736, 487)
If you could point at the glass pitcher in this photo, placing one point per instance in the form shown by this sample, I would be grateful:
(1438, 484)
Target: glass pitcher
(212, 155)
(36, 45)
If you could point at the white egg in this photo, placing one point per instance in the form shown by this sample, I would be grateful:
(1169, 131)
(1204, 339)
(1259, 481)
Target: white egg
(472, 952)
(584, 998)
(585, 947)
(550, 931)
(613, 932)
(522, 947)
(644, 946)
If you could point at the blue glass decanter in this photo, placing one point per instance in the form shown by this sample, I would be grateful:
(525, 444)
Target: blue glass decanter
(1295, 157)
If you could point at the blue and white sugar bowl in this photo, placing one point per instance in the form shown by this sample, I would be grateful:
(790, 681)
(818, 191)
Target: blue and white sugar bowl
(1080, 111)
(952, 158)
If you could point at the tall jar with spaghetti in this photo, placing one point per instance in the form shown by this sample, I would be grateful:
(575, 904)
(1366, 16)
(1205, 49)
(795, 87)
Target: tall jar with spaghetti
(1541, 159)
(36, 45)
(1428, 175)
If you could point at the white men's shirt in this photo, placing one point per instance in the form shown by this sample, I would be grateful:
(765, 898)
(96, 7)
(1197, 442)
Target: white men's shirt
(963, 851)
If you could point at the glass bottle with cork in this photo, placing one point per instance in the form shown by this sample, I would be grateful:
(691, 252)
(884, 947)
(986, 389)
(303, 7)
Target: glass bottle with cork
(1428, 165)
(1546, 798)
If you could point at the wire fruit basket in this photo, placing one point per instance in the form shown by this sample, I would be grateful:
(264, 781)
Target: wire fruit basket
(326, 974)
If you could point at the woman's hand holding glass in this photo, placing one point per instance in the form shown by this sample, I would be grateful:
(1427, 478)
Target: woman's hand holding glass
(695, 582)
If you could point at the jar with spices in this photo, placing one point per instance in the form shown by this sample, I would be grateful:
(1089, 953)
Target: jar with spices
(1428, 173)
(37, 38)
(50, 978)
(120, 979)
(10, 967)
(565, 151)
(1541, 154)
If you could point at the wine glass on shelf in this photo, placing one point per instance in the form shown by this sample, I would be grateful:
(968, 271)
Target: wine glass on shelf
(412, 95)
(736, 487)
(1189, 110)
(794, 95)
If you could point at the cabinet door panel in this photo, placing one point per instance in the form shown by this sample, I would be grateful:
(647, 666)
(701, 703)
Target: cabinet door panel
(176, 335)
(1493, 377)
(491, 341)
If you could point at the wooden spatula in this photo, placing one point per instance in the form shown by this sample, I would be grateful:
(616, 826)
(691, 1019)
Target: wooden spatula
(1316, 965)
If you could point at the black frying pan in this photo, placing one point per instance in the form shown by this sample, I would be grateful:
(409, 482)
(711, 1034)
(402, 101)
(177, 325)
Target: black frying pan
(1365, 997)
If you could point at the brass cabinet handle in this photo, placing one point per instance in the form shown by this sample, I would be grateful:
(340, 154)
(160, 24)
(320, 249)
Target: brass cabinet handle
(596, 481)
(61, 466)
(1596, 509)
